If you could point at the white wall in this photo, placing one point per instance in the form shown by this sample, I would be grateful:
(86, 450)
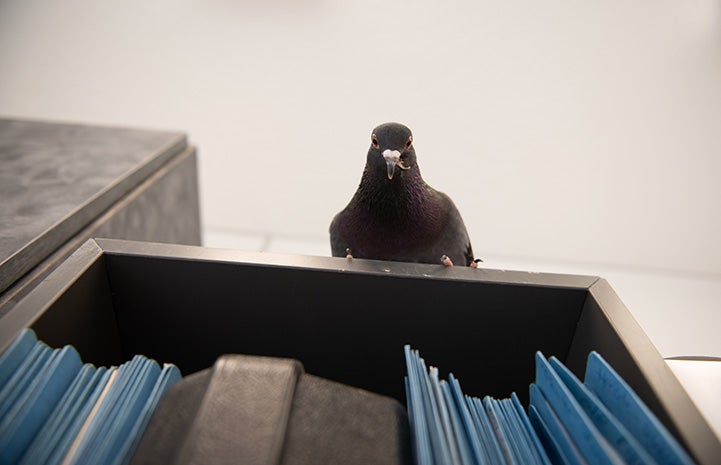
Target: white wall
(582, 131)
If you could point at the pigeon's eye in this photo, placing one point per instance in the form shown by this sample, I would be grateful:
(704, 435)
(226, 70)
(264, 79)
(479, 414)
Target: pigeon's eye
(409, 142)
(374, 141)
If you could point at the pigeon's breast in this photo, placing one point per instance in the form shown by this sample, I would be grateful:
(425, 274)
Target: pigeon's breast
(395, 234)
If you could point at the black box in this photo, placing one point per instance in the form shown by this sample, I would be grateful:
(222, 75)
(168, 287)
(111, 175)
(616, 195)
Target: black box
(347, 320)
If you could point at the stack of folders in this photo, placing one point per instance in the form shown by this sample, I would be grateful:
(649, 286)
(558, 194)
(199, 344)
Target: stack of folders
(598, 421)
(56, 410)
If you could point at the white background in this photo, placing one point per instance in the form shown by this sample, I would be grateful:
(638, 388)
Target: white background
(579, 137)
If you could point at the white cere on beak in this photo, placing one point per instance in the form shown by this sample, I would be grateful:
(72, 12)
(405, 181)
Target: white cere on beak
(391, 157)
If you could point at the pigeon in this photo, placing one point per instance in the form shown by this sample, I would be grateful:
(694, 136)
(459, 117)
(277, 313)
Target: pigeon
(394, 215)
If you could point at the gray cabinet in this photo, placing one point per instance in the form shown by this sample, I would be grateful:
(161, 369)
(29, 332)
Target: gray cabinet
(61, 184)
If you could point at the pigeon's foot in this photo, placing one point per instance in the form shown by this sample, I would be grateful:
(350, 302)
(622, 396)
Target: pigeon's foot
(348, 254)
(446, 260)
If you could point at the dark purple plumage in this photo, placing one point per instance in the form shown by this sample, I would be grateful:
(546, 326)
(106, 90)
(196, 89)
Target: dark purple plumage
(394, 214)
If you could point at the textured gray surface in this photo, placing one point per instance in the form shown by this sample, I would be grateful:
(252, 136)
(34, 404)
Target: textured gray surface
(55, 178)
(163, 208)
(250, 400)
(333, 423)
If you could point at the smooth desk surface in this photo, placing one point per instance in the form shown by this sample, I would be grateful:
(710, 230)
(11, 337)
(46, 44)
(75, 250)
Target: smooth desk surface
(702, 380)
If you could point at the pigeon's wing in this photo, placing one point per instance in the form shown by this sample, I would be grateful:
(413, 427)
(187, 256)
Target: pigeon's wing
(338, 244)
(454, 240)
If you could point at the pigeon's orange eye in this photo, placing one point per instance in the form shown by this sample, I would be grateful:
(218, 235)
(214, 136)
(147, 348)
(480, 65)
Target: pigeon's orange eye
(409, 142)
(374, 141)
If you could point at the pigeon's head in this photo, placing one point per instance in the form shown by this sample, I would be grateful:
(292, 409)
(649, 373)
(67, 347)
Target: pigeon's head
(391, 149)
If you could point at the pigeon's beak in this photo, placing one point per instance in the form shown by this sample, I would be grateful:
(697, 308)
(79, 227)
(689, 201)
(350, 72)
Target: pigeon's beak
(392, 157)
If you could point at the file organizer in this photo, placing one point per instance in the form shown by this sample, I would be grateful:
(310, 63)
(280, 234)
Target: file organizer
(347, 321)
(600, 421)
(450, 426)
(56, 410)
(245, 409)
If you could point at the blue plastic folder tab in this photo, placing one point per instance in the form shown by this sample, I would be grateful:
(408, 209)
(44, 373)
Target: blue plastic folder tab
(599, 421)
(623, 403)
(449, 427)
(55, 410)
